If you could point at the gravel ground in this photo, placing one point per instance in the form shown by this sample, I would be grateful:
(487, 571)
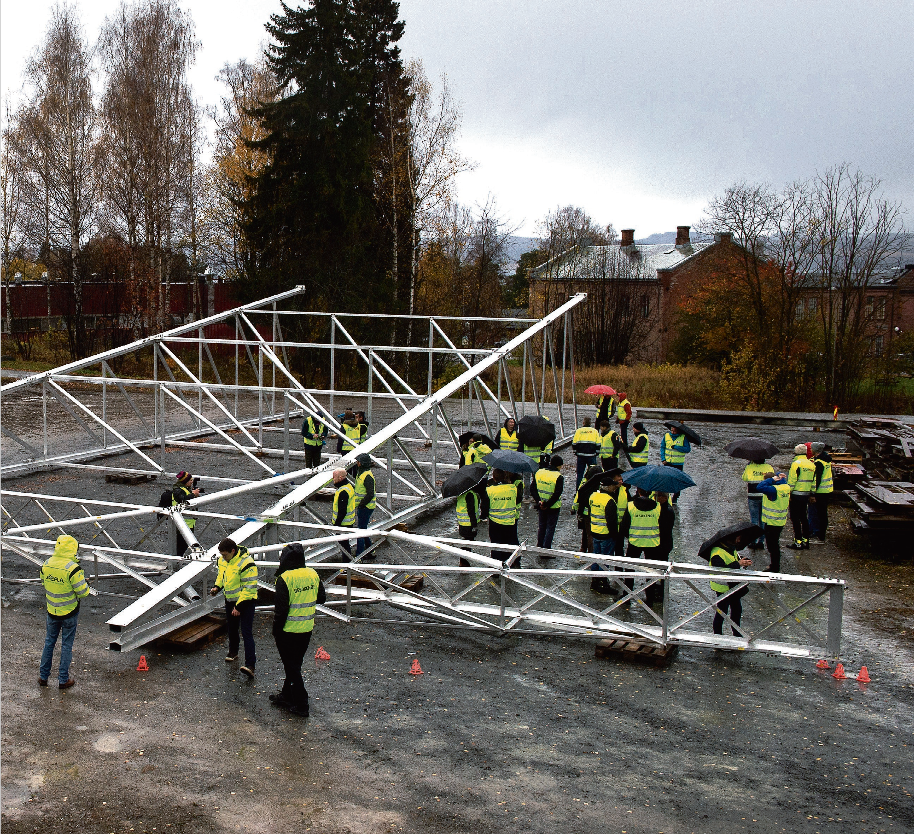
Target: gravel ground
(524, 733)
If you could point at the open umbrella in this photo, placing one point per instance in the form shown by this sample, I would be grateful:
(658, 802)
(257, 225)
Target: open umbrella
(510, 461)
(601, 390)
(751, 448)
(487, 440)
(653, 478)
(691, 434)
(463, 479)
(535, 431)
(466, 437)
(741, 534)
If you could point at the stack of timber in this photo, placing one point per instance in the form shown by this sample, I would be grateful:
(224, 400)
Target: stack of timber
(887, 446)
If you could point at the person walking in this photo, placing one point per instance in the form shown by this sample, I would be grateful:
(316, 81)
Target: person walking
(503, 506)
(547, 488)
(606, 409)
(365, 501)
(623, 415)
(585, 444)
(237, 579)
(755, 472)
(298, 593)
(610, 444)
(507, 435)
(344, 506)
(64, 586)
(603, 527)
(802, 481)
(639, 451)
(313, 433)
(673, 449)
(820, 499)
(724, 556)
(776, 501)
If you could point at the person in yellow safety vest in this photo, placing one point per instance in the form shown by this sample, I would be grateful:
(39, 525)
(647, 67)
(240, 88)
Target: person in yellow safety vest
(585, 444)
(606, 409)
(344, 507)
(639, 451)
(604, 522)
(467, 453)
(502, 495)
(237, 579)
(298, 593)
(673, 449)
(548, 485)
(820, 499)
(64, 586)
(622, 499)
(802, 482)
(581, 505)
(623, 415)
(755, 472)
(641, 523)
(479, 448)
(351, 434)
(610, 444)
(775, 506)
(507, 435)
(313, 434)
(365, 501)
(724, 556)
(183, 490)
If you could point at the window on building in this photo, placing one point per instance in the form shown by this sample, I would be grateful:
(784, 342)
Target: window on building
(801, 310)
(880, 309)
(869, 306)
(878, 345)
(645, 305)
(812, 305)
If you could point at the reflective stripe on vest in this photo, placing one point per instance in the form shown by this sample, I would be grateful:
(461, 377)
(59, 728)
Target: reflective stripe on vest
(825, 482)
(608, 444)
(590, 438)
(187, 495)
(729, 558)
(238, 576)
(463, 512)
(507, 440)
(672, 446)
(349, 518)
(546, 480)
(302, 584)
(502, 503)
(599, 504)
(755, 473)
(62, 591)
(802, 477)
(644, 529)
(316, 429)
(620, 410)
(774, 513)
(354, 434)
(361, 491)
(641, 457)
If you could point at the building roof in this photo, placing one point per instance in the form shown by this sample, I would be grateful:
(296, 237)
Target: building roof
(641, 260)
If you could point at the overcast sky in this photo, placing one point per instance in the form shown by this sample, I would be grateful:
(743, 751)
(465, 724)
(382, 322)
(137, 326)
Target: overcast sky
(638, 112)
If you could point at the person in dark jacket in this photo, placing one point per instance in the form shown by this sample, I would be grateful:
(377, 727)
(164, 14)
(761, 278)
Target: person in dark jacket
(821, 498)
(641, 524)
(639, 450)
(581, 506)
(365, 501)
(547, 488)
(298, 592)
(725, 556)
(667, 520)
(610, 445)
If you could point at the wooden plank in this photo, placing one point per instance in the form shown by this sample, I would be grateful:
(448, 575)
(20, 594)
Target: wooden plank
(195, 635)
(640, 651)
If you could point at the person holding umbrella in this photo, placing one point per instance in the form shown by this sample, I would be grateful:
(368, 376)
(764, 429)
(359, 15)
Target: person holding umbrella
(721, 552)
(756, 450)
(585, 444)
(472, 502)
(547, 488)
(502, 495)
(536, 436)
(673, 449)
(639, 450)
(641, 523)
(606, 404)
(623, 415)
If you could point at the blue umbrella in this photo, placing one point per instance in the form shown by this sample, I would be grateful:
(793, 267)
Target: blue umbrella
(511, 461)
(655, 478)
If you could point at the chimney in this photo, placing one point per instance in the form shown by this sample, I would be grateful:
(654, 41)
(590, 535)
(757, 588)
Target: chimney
(723, 237)
(682, 235)
(628, 238)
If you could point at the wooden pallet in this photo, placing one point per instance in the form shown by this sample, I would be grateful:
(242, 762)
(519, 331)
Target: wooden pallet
(415, 582)
(639, 651)
(128, 478)
(195, 635)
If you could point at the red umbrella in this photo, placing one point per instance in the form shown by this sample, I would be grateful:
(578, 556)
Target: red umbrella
(598, 390)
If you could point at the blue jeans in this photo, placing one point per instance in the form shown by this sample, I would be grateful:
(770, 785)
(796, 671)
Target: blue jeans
(55, 626)
(755, 516)
(362, 519)
(583, 463)
(602, 547)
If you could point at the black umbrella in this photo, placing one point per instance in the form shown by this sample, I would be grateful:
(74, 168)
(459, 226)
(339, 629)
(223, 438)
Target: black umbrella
(466, 437)
(740, 534)
(510, 460)
(594, 478)
(691, 434)
(535, 431)
(463, 479)
(487, 440)
(751, 448)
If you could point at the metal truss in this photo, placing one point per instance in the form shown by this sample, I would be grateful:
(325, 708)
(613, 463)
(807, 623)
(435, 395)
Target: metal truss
(238, 418)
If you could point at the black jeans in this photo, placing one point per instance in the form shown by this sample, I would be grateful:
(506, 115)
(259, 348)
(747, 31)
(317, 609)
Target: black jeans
(292, 648)
(503, 534)
(313, 455)
(244, 623)
(732, 606)
(820, 507)
(655, 591)
(773, 543)
(548, 519)
(799, 508)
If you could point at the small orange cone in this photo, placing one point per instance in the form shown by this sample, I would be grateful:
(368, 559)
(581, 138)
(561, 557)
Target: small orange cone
(416, 669)
(142, 666)
(864, 676)
(823, 664)
(838, 674)
(320, 654)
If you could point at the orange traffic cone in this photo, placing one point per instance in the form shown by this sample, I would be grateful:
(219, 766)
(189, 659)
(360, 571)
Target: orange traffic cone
(838, 674)
(864, 676)
(416, 669)
(142, 666)
(823, 664)
(320, 654)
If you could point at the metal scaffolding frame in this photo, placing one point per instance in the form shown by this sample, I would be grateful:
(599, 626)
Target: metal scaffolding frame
(246, 431)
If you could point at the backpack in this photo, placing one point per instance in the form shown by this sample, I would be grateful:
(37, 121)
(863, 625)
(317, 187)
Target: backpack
(165, 499)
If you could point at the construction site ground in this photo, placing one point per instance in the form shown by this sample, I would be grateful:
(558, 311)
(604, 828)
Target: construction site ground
(499, 733)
